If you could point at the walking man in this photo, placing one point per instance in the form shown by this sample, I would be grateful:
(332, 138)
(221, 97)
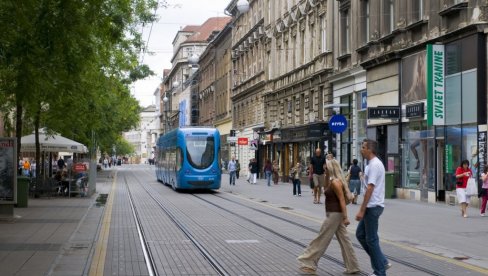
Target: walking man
(317, 165)
(232, 168)
(372, 208)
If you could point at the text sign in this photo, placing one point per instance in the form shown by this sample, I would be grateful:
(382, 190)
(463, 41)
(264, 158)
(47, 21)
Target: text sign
(386, 112)
(231, 139)
(435, 85)
(338, 123)
(242, 141)
(415, 110)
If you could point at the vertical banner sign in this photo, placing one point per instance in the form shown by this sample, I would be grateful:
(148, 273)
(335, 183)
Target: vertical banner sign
(481, 151)
(435, 85)
(8, 170)
(448, 158)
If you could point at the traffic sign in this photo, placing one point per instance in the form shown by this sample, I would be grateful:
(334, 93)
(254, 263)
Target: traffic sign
(338, 123)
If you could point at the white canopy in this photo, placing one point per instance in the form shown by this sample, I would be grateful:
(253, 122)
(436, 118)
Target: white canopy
(51, 143)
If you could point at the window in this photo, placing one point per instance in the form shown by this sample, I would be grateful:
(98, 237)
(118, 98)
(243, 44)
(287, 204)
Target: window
(345, 31)
(417, 10)
(389, 16)
(365, 21)
(323, 34)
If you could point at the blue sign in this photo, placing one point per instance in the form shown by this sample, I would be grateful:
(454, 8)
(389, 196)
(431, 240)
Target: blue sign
(338, 123)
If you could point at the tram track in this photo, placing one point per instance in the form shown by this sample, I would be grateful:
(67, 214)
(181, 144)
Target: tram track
(219, 269)
(328, 257)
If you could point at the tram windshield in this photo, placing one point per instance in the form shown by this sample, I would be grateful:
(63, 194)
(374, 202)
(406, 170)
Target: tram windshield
(200, 151)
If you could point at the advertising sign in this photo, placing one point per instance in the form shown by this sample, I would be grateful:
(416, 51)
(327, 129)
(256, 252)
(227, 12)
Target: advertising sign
(435, 85)
(481, 151)
(338, 123)
(242, 141)
(448, 158)
(8, 164)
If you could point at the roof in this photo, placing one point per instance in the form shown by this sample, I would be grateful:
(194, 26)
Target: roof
(204, 31)
(190, 28)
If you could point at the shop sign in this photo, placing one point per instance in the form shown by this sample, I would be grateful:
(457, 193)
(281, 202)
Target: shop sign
(435, 85)
(242, 141)
(338, 123)
(317, 130)
(415, 110)
(481, 151)
(8, 175)
(384, 112)
(448, 158)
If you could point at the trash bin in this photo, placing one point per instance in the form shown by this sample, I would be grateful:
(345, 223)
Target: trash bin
(390, 181)
(22, 191)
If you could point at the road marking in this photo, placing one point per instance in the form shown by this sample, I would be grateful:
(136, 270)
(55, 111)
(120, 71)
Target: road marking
(405, 247)
(98, 261)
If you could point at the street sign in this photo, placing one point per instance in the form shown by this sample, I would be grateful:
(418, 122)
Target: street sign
(338, 123)
(242, 141)
(231, 139)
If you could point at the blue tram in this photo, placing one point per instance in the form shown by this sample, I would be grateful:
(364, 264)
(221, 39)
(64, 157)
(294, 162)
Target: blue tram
(189, 158)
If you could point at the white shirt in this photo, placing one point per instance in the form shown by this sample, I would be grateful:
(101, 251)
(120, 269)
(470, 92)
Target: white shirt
(374, 173)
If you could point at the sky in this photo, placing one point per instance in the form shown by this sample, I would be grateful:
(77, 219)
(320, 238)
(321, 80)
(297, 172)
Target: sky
(159, 40)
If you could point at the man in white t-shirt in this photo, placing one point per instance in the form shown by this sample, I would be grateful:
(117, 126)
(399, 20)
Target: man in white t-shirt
(372, 208)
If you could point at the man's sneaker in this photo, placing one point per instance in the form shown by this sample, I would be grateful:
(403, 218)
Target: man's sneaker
(388, 266)
(482, 214)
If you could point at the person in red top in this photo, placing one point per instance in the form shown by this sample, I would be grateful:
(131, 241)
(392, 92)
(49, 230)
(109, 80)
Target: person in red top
(463, 173)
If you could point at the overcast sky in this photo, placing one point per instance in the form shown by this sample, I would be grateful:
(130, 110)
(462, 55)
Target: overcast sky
(171, 19)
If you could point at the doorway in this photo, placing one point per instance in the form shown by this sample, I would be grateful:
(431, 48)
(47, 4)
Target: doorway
(440, 160)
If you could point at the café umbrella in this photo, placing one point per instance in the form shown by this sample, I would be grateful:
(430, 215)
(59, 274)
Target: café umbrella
(51, 143)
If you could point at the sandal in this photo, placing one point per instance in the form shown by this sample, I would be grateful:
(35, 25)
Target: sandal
(308, 270)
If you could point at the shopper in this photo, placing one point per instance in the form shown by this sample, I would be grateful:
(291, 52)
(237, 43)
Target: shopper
(334, 224)
(372, 208)
(232, 167)
(276, 171)
(463, 173)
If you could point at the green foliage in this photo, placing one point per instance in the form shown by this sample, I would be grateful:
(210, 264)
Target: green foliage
(68, 65)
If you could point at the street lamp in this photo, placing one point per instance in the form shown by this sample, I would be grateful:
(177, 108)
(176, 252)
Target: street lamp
(242, 6)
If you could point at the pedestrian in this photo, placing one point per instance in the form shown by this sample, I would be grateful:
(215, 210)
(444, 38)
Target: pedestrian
(295, 176)
(232, 167)
(335, 223)
(354, 175)
(268, 170)
(372, 208)
(276, 172)
(33, 168)
(463, 173)
(105, 163)
(317, 165)
(60, 164)
(253, 170)
(27, 167)
(238, 168)
(484, 191)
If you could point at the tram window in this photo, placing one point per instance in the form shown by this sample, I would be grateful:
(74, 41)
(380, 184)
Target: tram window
(200, 151)
(179, 159)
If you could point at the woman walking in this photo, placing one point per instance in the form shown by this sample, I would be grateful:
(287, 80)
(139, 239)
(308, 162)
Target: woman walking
(484, 191)
(268, 169)
(463, 173)
(295, 176)
(354, 180)
(335, 223)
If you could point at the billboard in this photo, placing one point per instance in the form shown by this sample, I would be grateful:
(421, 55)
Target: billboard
(8, 171)
(435, 85)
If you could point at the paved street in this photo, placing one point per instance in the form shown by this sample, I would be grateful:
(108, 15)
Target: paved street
(241, 230)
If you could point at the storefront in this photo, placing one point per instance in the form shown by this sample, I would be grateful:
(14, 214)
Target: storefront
(298, 145)
(438, 133)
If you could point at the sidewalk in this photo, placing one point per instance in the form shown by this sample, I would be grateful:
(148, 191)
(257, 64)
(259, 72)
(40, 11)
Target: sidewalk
(437, 229)
(31, 243)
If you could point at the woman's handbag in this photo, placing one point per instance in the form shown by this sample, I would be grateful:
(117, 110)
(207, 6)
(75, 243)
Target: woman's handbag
(471, 188)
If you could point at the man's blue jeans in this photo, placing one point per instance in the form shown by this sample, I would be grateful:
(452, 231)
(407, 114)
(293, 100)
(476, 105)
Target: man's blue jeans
(232, 178)
(367, 235)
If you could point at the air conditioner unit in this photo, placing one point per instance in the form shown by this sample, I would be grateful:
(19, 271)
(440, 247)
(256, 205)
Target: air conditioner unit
(260, 30)
(250, 39)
